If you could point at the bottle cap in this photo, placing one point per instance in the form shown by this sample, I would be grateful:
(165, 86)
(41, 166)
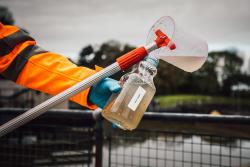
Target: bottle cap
(152, 60)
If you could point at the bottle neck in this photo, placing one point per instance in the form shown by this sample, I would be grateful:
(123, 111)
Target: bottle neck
(147, 70)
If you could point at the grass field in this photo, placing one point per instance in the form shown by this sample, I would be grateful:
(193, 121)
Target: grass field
(174, 100)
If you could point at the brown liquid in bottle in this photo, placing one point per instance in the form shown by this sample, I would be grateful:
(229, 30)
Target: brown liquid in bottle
(120, 111)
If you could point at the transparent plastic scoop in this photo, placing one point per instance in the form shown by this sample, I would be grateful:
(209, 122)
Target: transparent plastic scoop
(190, 52)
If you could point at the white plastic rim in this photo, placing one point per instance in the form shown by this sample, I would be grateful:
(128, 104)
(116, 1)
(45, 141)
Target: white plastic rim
(190, 53)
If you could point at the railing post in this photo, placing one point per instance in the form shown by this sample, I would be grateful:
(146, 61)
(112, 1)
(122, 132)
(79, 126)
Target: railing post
(110, 145)
(99, 139)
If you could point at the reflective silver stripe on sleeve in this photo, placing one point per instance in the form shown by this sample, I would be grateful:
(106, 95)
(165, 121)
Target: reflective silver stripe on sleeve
(19, 62)
(7, 44)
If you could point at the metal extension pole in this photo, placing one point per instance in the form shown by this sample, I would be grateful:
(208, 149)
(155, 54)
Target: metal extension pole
(70, 92)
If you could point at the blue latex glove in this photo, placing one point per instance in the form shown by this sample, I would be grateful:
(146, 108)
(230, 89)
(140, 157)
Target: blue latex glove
(100, 92)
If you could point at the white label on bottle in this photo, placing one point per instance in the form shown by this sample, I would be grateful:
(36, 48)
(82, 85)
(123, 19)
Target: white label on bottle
(137, 98)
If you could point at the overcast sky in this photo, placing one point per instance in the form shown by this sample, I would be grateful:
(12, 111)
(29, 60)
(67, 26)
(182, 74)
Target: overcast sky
(65, 26)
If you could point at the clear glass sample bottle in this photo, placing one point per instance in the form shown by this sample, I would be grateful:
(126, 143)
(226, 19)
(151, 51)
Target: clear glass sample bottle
(125, 109)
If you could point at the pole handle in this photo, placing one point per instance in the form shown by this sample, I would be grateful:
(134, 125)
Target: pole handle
(57, 99)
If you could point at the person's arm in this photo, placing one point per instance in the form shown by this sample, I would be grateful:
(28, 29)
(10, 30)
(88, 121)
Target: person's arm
(27, 64)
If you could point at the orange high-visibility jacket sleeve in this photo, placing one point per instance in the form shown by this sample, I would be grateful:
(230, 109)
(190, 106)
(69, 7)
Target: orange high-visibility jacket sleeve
(27, 64)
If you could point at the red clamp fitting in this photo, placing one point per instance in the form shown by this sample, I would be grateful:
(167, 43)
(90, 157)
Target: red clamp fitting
(163, 40)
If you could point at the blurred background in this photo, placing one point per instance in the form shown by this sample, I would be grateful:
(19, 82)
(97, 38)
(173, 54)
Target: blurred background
(95, 32)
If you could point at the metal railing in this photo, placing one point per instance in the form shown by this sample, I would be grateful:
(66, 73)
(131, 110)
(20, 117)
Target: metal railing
(166, 148)
(173, 140)
(58, 138)
(79, 138)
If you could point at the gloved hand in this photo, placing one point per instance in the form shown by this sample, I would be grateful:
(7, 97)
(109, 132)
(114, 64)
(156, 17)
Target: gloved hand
(100, 92)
